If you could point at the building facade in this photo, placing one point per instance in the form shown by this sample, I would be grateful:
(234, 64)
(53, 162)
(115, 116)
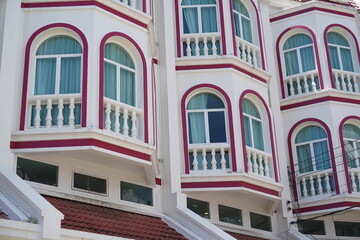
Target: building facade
(181, 119)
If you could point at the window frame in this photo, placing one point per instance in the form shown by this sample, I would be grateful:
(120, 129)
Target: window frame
(94, 175)
(251, 119)
(240, 16)
(338, 51)
(138, 185)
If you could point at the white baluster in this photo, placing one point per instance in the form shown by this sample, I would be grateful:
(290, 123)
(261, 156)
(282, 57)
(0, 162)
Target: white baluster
(249, 58)
(306, 85)
(197, 48)
(327, 180)
(292, 90)
(250, 166)
(48, 113)
(134, 130)
(312, 187)
(343, 83)
(125, 125)
(319, 184)
(222, 161)
(261, 167)
(238, 49)
(305, 194)
(195, 162)
(356, 85)
(206, 49)
(107, 115)
(353, 183)
(133, 3)
(350, 87)
(188, 48)
(313, 84)
(37, 119)
(298, 85)
(213, 159)
(214, 48)
(337, 82)
(117, 119)
(267, 170)
(60, 117)
(204, 162)
(255, 60)
(72, 112)
(256, 166)
(243, 52)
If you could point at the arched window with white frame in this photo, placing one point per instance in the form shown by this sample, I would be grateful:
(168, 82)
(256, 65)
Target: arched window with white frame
(313, 169)
(200, 29)
(253, 125)
(242, 21)
(207, 132)
(340, 52)
(56, 95)
(300, 74)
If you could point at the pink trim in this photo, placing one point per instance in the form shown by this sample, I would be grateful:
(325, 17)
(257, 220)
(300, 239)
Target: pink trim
(270, 129)
(309, 10)
(281, 73)
(327, 48)
(231, 125)
(217, 66)
(158, 181)
(333, 164)
(144, 6)
(79, 143)
(84, 3)
(101, 80)
(326, 207)
(155, 61)
(27, 64)
(177, 24)
(222, 26)
(154, 104)
(344, 151)
(258, 28)
(229, 184)
(319, 100)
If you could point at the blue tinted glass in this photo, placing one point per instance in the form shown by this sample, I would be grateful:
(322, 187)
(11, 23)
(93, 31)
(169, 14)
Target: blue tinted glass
(217, 127)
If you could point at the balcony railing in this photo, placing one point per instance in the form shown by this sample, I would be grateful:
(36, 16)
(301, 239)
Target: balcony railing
(315, 183)
(259, 163)
(248, 52)
(346, 81)
(122, 118)
(203, 44)
(302, 83)
(49, 111)
(355, 179)
(209, 157)
(136, 4)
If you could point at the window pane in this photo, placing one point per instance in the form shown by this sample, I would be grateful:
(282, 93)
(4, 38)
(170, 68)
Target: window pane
(208, 19)
(196, 127)
(337, 39)
(237, 24)
(45, 76)
(346, 60)
(127, 87)
(250, 108)
(247, 131)
(217, 127)
(136, 193)
(118, 54)
(110, 81)
(70, 75)
(297, 40)
(314, 227)
(322, 158)
(307, 58)
(350, 229)
(310, 133)
(239, 7)
(261, 222)
(258, 135)
(199, 207)
(230, 215)
(190, 20)
(334, 57)
(304, 158)
(246, 27)
(89, 183)
(205, 101)
(291, 63)
(59, 45)
(37, 172)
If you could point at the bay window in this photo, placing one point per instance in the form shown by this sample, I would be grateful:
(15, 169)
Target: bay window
(351, 138)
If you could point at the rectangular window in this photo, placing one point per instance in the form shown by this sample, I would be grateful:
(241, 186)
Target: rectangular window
(89, 183)
(199, 207)
(349, 229)
(314, 227)
(136, 193)
(230, 215)
(37, 171)
(261, 222)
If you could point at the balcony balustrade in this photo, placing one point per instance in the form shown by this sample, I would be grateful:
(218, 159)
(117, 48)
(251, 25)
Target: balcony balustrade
(355, 178)
(209, 157)
(259, 163)
(135, 4)
(122, 118)
(204, 44)
(346, 81)
(54, 111)
(315, 183)
(302, 83)
(248, 52)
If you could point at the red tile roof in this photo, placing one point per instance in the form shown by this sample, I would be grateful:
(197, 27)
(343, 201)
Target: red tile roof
(243, 237)
(3, 215)
(113, 222)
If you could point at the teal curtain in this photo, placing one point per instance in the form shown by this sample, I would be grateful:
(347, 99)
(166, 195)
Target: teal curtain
(196, 127)
(237, 24)
(246, 26)
(197, 2)
(254, 133)
(346, 60)
(250, 108)
(45, 76)
(239, 11)
(70, 75)
(304, 158)
(291, 63)
(190, 20)
(258, 135)
(337, 39)
(247, 131)
(126, 82)
(297, 40)
(310, 133)
(59, 45)
(345, 53)
(208, 19)
(322, 158)
(334, 57)
(240, 8)
(307, 58)
(352, 143)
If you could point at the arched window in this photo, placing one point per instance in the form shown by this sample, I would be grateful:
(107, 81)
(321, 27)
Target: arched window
(340, 52)
(58, 65)
(119, 74)
(242, 21)
(253, 125)
(351, 135)
(312, 149)
(207, 133)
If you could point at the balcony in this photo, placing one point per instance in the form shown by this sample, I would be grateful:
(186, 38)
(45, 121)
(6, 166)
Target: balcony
(259, 163)
(302, 83)
(315, 184)
(355, 178)
(248, 53)
(346, 81)
(203, 44)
